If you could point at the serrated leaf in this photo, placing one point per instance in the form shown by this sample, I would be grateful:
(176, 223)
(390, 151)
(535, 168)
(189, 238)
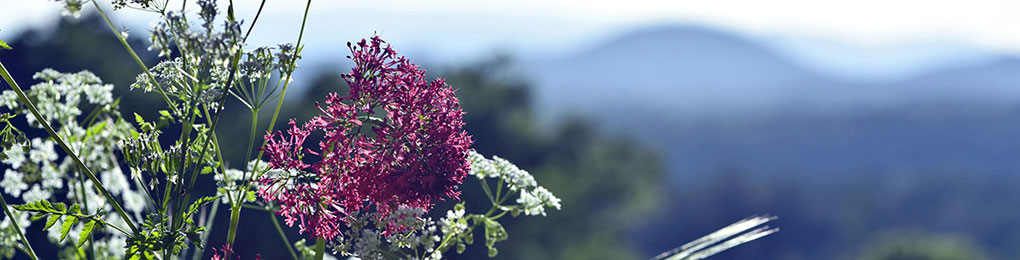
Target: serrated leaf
(52, 220)
(86, 232)
(202, 201)
(75, 209)
(37, 217)
(37, 206)
(97, 127)
(68, 222)
(60, 207)
(139, 119)
(251, 196)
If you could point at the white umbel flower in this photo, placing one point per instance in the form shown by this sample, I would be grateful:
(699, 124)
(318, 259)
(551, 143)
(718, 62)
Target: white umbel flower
(15, 157)
(13, 183)
(36, 194)
(42, 151)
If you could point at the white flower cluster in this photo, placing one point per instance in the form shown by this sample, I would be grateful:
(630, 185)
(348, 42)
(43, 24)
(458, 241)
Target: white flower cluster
(9, 239)
(406, 228)
(232, 182)
(533, 198)
(38, 172)
(59, 95)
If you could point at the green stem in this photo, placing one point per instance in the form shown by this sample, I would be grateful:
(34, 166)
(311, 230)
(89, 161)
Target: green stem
(251, 141)
(290, 248)
(320, 249)
(235, 215)
(85, 206)
(123, 41)
(14, 224)
(286, 81)
(485, 187)
(63, 145)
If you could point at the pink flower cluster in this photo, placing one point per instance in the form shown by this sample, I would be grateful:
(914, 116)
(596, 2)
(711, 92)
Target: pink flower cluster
(396, 139)
(227, 251)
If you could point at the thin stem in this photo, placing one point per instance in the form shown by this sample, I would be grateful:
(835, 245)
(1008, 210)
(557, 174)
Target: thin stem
(485, 187)
(286, 81)
(85, 206)
(205, 235)
(250, 206)
(14, 224)
(63, 145)
(251, 141)
(276, 223)
(123, 41)
(252, 26)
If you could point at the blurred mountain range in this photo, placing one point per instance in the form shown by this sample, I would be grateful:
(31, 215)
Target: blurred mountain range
(748, 129)
(700, 72)
(716, 100)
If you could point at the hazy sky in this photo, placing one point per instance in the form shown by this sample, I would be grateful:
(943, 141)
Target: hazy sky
(454, 29)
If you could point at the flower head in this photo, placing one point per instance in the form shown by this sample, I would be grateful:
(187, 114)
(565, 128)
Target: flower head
(396, 140)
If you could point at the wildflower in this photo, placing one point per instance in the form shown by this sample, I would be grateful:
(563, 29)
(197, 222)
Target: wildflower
(535, 201)
(15, 157)
(207, 10)
(226, 250)
(36, 194)
(13, 183)
(72, 7)
(118, 4)
(52, 177)
(413, 156)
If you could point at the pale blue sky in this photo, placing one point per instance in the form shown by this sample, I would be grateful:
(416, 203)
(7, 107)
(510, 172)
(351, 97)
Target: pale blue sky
(902, 33)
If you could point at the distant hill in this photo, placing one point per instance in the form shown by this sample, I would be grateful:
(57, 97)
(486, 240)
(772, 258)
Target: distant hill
(746, 130)
(693, 71)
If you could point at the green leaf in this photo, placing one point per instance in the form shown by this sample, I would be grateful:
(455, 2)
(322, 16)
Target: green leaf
(37, 217)
(68, 222)
(52, 220)
(198, 203)
(86, 232)
(41, 206)
(3, 45)
(95, 129)
(75, 209)
(60, 207)
(139, 119)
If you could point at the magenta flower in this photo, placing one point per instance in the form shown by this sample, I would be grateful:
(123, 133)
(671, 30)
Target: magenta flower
(396, 139)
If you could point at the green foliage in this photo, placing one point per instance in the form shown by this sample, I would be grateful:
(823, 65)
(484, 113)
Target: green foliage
(71, 216)
(4, 46)
(916, 246)
(494, 232)
(607, 183)
(11, 136)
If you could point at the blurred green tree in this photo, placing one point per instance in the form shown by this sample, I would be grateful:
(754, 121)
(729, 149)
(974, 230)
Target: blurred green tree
(914, 246)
